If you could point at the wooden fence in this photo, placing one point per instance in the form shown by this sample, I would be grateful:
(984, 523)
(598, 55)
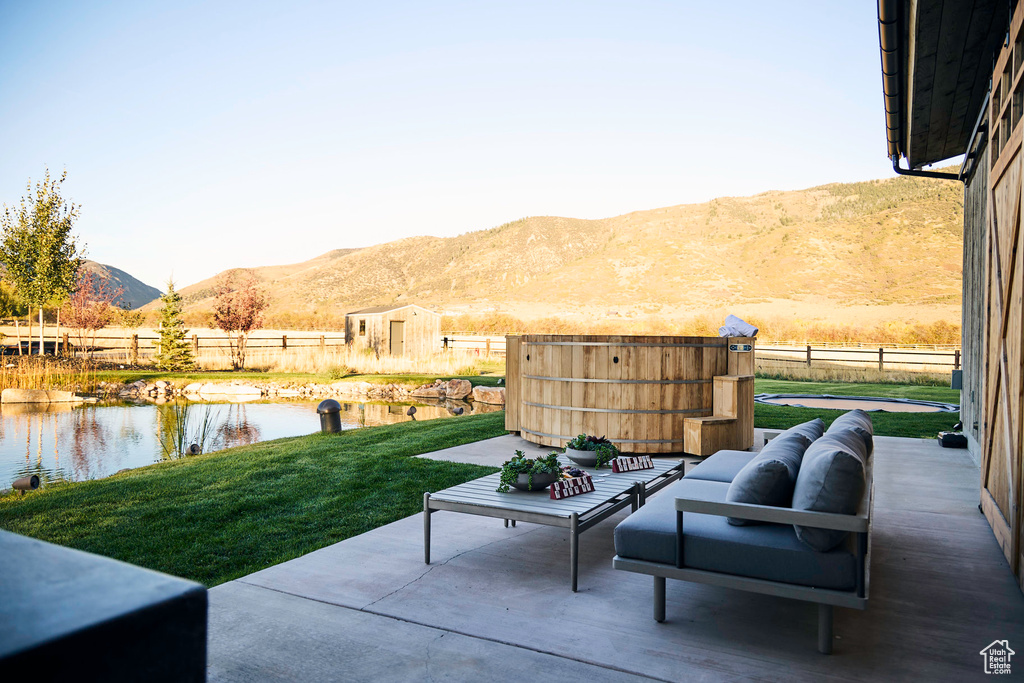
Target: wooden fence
(135, 346)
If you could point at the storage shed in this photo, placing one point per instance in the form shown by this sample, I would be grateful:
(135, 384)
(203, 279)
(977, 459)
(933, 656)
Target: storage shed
(406, 330)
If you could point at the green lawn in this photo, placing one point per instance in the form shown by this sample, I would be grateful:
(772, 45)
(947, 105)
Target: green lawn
(924, 393)
(924, 425)
(213, 518)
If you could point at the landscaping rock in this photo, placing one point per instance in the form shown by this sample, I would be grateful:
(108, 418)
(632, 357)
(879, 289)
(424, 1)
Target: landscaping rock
(351, 388)
(428, 391)
(24, 396)
(193, 388)
(458, 389)
(230, 390)
(38, 396)
(492, 395)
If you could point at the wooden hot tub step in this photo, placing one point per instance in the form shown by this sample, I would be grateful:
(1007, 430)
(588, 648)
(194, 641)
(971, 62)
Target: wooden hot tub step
(731, 426)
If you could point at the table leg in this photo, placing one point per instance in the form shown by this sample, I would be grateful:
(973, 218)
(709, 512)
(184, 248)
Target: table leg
(574, 548)
(426, 527)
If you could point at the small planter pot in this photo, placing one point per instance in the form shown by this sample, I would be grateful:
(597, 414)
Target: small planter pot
(584, 458)
(540, 481)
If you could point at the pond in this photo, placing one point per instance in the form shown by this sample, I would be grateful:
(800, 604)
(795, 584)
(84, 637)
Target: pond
(92, 441)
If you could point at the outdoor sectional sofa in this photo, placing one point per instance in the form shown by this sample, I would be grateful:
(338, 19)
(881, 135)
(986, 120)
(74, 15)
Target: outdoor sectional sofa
(792, 520)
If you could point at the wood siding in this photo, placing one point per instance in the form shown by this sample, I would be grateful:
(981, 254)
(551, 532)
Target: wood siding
(1003, 383)
(422, 331)
(637, 391)
(973, 310)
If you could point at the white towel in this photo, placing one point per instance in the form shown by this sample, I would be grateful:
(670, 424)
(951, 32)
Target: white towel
(735, 327)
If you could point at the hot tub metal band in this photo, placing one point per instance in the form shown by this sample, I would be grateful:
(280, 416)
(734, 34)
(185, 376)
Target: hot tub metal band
(620, 381)
(615, 410)
(624, 345)
(569, 438)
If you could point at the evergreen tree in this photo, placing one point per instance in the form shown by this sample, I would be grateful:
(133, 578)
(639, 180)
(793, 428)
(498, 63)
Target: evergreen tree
(175, 353)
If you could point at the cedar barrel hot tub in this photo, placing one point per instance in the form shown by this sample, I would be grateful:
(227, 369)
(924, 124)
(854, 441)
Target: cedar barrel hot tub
(637, 391)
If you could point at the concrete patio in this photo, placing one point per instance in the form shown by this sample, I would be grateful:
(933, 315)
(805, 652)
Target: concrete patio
(495, 603)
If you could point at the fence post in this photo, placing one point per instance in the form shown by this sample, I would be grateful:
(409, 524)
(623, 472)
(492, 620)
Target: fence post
(284, 341)
(881, 359)
(808, 355)
(956, 359)
(134, 350)
(445, 342)
(323, 343)
(66, 344)
(488, 347)
(195, 346)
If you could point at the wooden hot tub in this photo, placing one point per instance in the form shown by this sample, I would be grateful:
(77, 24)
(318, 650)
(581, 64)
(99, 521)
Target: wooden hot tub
(635, 390)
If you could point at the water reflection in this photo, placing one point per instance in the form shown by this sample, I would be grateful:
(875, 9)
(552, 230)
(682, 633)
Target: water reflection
(91, 441)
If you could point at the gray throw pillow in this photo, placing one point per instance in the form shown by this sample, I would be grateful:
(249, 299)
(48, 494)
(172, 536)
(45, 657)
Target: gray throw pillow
(812, 429)
(769, 478)
(852, 439)
(831, 479)
(860, 422)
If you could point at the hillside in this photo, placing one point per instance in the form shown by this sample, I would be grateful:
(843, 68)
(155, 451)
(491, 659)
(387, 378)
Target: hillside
(889, 247)
(136, 293)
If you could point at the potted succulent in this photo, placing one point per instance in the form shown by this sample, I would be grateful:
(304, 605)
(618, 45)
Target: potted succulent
(529, 474)
(591, 451)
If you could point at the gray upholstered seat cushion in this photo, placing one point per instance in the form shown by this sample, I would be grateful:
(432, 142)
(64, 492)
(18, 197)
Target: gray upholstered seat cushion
(768, 551)
(722, 466)
(769, 478)
(860, 422)
(831, 479)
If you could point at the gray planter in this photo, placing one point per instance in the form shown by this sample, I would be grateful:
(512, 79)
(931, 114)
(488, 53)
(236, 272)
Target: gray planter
(583, 458)
(540, 481)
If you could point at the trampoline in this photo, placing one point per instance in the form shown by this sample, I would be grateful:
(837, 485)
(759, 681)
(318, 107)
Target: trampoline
(868, 403)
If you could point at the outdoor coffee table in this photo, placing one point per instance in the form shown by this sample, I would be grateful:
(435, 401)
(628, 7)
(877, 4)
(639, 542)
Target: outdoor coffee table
(577, 513)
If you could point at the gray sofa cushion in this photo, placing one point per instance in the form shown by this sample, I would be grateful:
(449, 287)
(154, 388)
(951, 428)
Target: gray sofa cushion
(860, 422)
(769, 478)
(722, 466)
(831, 479)
(812, 429)
(768, 551)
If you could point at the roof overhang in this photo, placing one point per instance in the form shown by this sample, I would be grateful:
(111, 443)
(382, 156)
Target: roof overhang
(937, 58)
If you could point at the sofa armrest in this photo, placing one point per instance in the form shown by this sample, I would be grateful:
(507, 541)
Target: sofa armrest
(766, 513)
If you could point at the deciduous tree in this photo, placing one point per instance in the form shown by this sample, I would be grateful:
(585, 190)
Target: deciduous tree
(91, 308)
(238, 310)
(37, 249)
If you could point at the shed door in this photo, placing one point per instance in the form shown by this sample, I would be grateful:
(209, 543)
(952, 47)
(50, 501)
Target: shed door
(397, 337)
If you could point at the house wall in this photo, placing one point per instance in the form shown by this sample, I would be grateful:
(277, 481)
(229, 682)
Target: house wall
(1002, 426)
(422, 331)
(973, 311)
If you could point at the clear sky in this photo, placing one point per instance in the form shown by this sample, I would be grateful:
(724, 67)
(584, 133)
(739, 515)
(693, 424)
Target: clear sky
(200, 136)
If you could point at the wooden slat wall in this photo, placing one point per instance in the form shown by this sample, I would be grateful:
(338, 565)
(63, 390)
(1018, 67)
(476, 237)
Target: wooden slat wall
(1003, 384)
(422, 331)
(513, 384)
(631, 372)
(973, 310)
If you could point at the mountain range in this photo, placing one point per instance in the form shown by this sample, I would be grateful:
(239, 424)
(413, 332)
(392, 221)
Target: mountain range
(887, 248)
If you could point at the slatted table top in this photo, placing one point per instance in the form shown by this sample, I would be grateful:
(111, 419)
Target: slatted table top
(482, 492)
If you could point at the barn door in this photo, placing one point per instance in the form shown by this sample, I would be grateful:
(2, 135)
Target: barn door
(1002, 436)
(397, 337)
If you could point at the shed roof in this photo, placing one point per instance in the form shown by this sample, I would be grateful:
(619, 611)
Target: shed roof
(936, 62)
(386, 309)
